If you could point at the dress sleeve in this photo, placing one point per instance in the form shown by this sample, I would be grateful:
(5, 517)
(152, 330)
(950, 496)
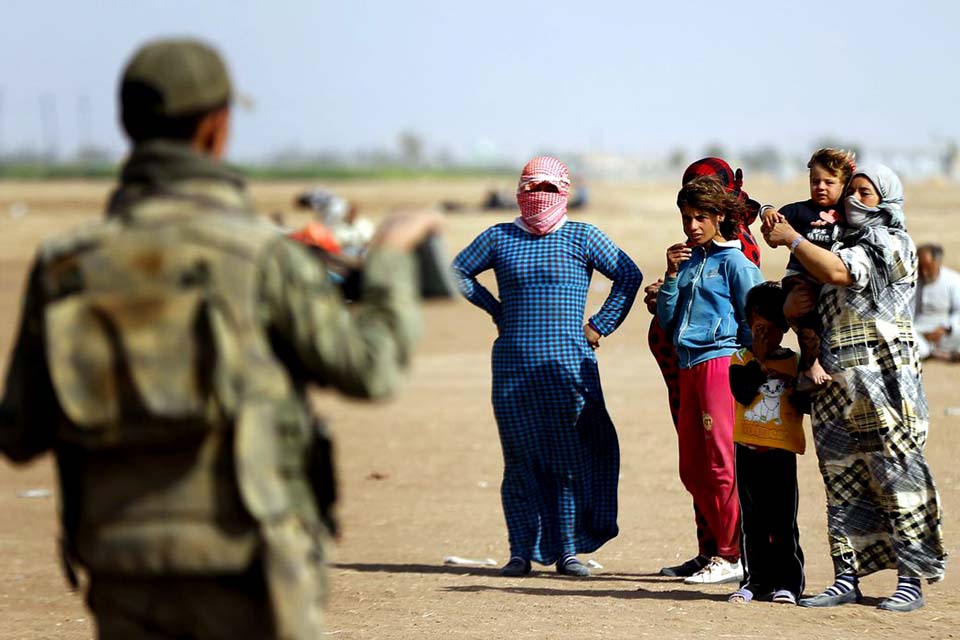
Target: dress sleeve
(858, 264)
(476, 258)
(359, 349)
(667, 299)
(29, 409)
(604, 256)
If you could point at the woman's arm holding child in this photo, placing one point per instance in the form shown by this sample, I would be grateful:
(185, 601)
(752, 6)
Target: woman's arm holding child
(824, 265)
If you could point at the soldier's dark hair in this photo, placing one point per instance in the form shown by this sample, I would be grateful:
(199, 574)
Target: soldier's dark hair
(935, 250)
(766, 300)
(707, 194)
(142, 122)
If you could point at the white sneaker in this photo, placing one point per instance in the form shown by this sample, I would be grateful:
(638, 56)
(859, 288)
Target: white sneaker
(717, 572)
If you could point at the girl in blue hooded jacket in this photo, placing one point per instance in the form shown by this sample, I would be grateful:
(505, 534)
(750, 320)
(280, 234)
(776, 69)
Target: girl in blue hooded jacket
(701, 304)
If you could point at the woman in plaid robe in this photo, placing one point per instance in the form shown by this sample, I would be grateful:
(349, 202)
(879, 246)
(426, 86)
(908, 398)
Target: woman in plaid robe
(870, 422)
(560, 451)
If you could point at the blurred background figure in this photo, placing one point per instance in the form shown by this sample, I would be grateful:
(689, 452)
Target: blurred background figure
(347, 228)
(937, 318)
(496, 199)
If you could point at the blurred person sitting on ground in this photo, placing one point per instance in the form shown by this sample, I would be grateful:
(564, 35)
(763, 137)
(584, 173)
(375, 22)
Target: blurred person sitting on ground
(560, 451)
(164, 356)
(319, 238)
(661, 344)
(498, 199)
(579, 197)
(937, 318)
(701, 305)
(870, 421)
(336, 234)
(768, 435)
(350, 230)
(817, 220)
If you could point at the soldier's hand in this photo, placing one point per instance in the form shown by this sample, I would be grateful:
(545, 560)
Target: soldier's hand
(404, 231)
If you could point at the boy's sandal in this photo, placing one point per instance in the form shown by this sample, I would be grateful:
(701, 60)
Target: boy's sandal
(784, 596)
(741, 596)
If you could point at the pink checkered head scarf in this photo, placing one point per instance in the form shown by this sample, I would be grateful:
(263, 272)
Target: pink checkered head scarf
(543, 211)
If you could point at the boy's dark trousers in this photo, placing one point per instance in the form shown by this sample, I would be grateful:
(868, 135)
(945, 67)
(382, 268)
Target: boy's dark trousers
(770, 539)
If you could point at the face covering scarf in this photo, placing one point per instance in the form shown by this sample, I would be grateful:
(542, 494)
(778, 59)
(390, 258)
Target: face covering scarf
(859, 215)
(542, 212)
(865, 222)
(890, 190)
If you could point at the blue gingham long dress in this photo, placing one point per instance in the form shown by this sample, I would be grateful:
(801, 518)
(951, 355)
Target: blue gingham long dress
(560, 450)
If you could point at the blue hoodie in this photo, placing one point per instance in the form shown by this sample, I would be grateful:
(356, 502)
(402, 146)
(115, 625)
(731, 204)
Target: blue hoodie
(703, 306)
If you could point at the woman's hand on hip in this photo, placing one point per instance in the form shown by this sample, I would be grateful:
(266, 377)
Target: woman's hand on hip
(592, 335)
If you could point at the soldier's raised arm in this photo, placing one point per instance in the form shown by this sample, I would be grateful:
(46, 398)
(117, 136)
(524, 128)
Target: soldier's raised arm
(358, 348)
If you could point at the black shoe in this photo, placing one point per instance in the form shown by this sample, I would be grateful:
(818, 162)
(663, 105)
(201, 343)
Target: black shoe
(889, 604)
(516, 568)
(686, 569)
(825, 600)
(571, 566)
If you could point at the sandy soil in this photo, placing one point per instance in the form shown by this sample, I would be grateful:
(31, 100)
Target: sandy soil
(420, 474)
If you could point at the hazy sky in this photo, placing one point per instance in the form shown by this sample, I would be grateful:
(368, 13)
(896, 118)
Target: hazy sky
(504, 76)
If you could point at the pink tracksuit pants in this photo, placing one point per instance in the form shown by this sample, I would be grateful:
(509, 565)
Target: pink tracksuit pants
(707, 460)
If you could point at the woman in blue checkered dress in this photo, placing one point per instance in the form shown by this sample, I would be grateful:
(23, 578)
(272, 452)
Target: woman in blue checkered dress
(561, 457)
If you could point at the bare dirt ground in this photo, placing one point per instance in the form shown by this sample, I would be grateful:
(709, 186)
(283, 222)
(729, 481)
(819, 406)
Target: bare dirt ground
(420, 474)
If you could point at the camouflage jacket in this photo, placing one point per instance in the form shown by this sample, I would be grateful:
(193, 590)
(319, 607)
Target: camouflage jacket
(163, 355)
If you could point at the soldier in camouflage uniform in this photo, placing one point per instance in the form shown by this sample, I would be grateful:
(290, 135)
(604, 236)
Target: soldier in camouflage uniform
(164, 355)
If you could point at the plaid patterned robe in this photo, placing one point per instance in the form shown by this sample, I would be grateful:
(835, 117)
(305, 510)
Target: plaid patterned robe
(870, 425)
(560, 450)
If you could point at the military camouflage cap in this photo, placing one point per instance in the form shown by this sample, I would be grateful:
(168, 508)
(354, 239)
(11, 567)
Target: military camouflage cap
(178, 76)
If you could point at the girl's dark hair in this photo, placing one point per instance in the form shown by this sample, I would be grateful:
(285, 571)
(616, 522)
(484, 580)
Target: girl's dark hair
(708, 195)
(766, 300)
